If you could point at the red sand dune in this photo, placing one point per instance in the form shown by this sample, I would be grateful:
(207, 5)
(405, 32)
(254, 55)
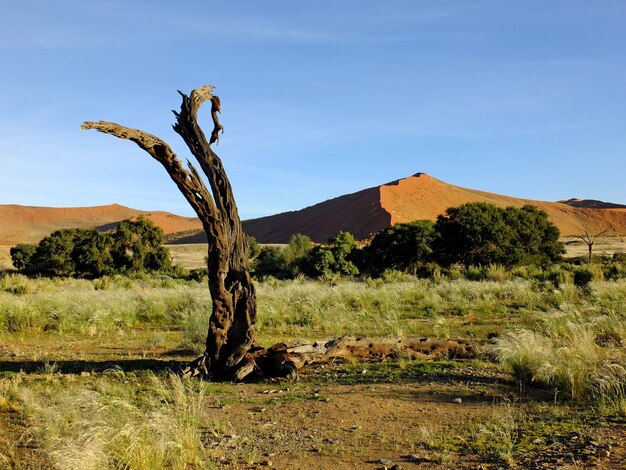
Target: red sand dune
(362, 213)
(24, 224)
(417, 197)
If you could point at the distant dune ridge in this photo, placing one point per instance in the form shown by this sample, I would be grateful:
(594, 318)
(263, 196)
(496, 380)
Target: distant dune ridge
(420, 197)
(362, 213)
(26, 224)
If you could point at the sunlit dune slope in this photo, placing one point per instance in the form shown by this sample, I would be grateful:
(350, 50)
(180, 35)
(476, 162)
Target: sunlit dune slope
(362, 213)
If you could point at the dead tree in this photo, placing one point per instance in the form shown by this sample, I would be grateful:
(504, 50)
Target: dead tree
(590, 239)
(231, 350)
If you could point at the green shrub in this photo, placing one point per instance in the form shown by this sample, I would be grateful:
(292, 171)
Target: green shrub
(270, 261)
(474, 273)
(480, 234)
(21, 254)
(198, 274)
(614, 271)
(405, 247)
(583, 276)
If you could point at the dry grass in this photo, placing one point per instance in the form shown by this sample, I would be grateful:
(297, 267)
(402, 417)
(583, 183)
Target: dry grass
(5, 257)
(579, 354)
(603, 246)
(190, 256)
(566, 338)
(112, 426)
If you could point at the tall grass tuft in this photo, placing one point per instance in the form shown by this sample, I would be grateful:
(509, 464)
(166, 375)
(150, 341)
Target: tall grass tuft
(580, 355)
(111, 427)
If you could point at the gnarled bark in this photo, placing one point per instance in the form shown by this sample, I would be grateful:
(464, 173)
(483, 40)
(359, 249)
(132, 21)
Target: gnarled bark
(231, 351)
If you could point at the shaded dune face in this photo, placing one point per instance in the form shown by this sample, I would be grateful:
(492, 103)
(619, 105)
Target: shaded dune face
(418, 197)
(362, 213)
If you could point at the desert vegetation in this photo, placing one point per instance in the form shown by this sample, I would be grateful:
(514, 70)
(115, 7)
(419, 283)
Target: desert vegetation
(550, 365)
(134, 246)
(96, 327)
(513, 355)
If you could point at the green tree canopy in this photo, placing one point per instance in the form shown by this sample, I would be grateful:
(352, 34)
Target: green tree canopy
(299, 246)
(270, 262)
(403, 246)
(133, 246)
(335, 257)
(21, 254)
(137, 246)
(53, 255)
(478, 233)
(92, 254)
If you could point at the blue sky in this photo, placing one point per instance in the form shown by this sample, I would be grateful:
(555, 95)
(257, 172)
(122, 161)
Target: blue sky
(319, 98)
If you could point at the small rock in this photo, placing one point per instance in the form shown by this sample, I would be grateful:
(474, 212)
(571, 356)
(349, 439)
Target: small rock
(364, 371)
(457, 400)
(385, 462)
(396, 467)
(413, 458)
(603, 454)
(267, 463)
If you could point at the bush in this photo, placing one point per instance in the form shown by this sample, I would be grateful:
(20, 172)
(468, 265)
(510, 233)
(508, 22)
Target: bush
(53, 255)
(92, 254)
(333, 258)
(198, 274)
(319, 261)
(585, 275)
(133, 247)
(21, 255)
(482, 234)
(138, 246)
(406, 247)
(299, 246)
(270, 262)
(614, 271)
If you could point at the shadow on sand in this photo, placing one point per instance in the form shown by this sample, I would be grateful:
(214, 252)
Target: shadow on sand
(76, 367)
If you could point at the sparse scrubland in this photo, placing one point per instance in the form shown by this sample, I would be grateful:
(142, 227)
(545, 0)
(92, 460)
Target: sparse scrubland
(548, 385)
(88, 362)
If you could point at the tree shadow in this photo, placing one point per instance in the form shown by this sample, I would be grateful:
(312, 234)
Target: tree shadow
(93, 366)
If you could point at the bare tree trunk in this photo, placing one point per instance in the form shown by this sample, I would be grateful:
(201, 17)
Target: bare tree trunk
(231, 351)
(589, 240)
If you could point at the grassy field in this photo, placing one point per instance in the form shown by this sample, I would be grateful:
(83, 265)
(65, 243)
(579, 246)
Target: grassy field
(5, 257)
(85, 381)
(602, 246)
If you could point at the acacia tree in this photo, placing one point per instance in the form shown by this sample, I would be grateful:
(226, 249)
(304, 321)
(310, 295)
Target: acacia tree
(231, 351)
(589, 239)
